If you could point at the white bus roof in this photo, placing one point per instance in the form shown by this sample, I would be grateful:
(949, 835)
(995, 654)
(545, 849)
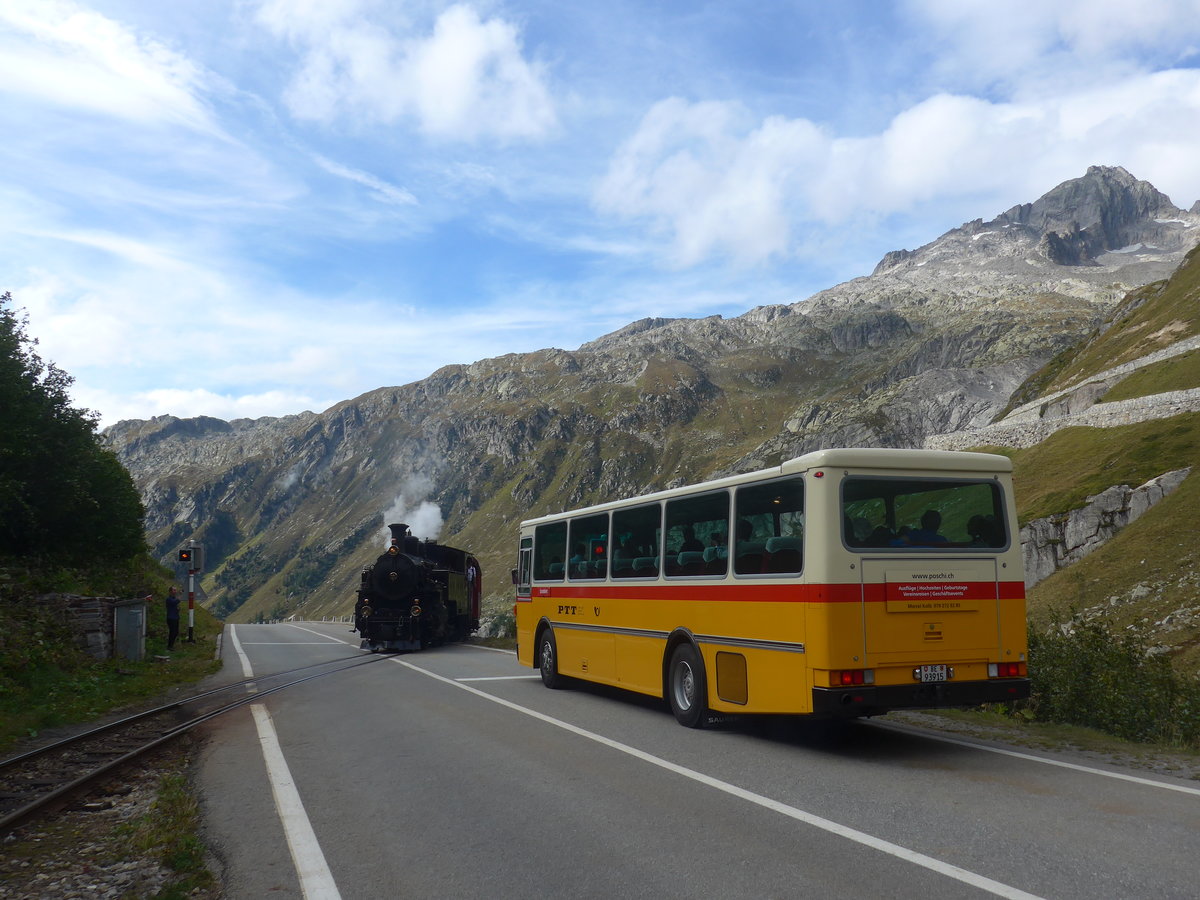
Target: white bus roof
(949, 461)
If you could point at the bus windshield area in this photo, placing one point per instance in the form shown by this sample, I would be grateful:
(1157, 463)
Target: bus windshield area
(900, 513)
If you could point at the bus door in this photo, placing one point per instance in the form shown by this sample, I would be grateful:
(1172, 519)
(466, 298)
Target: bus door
(919, 608)
(522, 611)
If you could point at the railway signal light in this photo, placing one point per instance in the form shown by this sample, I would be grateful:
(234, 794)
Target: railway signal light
(185, 555)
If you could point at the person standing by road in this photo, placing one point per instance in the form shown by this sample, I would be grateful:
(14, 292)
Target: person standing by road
(172, 617)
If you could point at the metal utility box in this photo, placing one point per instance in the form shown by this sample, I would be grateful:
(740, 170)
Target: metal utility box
(129, 629)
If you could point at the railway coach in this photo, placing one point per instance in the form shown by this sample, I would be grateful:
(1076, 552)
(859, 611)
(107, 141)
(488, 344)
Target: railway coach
(842, 583)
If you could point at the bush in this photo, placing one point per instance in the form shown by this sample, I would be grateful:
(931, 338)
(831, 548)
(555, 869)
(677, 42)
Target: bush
(1082, 673)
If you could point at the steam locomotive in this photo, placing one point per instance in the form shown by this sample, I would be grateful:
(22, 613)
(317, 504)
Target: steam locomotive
(418, 594)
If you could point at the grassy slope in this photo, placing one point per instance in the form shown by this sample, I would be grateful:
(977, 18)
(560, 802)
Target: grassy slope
(1149, 319)
(1179, 373)
(1151, 570)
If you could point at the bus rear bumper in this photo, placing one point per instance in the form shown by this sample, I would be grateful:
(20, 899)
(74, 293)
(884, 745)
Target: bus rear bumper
(872, 700)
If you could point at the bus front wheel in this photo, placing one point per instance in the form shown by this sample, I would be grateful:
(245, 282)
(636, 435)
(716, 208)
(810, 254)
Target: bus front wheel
(687, 690)
(548, 660)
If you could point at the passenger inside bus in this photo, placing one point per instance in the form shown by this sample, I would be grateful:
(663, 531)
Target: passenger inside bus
(927, 535)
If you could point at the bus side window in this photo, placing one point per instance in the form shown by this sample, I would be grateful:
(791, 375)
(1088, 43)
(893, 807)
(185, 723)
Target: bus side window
(589, 541)
(770, 528)
(550, 552)
(636, 534)
(695, 535)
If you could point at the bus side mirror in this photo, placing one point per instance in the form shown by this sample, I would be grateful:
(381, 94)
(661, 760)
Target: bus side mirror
(514, 577)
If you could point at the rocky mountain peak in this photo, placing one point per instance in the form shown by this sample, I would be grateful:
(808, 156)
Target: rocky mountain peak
(1106, 211)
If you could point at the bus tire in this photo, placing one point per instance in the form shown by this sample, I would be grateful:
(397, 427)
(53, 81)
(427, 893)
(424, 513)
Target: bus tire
(687, 688)
(548, 660)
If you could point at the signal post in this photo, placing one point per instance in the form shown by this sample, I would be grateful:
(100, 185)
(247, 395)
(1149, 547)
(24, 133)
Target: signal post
(193, 555)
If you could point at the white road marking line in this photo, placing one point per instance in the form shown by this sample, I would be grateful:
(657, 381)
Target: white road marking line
(936, 865)
(316, 881)
(317, 633)
(502, 678)
(247, 672)
(289, 643)
(1149, 782)
(493, 649)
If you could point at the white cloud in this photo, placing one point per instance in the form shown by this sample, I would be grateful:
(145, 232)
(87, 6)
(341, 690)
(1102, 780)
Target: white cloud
(467, 78)
(694, 171)
(1023, 44)
(389, 193)
(60, 53)
(185, 403)
(716, 184)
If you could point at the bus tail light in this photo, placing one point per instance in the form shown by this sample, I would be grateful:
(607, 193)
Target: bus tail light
(850, 677)
(1006, 670)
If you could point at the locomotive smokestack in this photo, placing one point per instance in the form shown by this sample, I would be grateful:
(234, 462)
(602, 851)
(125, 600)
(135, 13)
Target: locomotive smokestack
(399, 532)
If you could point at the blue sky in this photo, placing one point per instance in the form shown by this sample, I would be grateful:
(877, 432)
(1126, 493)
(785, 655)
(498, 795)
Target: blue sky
(263, 206)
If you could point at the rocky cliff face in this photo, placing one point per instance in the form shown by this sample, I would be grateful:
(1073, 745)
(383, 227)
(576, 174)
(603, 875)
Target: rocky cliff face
(935, 341)
(1050, 544)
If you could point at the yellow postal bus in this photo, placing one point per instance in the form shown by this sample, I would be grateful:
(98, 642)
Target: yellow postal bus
(845, 582)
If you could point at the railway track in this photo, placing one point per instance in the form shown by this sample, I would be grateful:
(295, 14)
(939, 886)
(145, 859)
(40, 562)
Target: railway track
(45, 778)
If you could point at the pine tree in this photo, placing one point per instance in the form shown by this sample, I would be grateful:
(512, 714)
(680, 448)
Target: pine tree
(62, 494)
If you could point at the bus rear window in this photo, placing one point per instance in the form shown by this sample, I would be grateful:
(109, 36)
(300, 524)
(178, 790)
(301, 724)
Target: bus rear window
(908, 513)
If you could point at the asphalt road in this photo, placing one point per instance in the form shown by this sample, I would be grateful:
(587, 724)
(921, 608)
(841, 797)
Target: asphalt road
(454, 772)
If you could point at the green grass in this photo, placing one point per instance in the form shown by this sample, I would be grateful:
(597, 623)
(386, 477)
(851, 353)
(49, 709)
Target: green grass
(1179, 373)
(1061, 472)
(169, 831)
(46, 682)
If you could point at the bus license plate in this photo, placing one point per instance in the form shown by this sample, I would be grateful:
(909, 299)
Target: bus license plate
(933, 673)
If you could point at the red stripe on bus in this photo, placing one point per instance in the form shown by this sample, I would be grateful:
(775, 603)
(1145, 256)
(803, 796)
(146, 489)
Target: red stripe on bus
(770, 593)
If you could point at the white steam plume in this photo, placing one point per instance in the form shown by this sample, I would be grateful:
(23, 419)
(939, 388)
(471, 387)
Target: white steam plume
(422, 516)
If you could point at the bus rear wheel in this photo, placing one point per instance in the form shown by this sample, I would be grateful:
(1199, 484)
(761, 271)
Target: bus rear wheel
(548, 660)
(687, 688)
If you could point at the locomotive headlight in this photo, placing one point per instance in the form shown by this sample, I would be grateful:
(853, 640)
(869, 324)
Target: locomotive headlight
(365, 611)
(393, 576)
(415, 611)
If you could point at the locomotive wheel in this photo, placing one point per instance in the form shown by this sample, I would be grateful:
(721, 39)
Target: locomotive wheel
(548, 661)
(687, 687)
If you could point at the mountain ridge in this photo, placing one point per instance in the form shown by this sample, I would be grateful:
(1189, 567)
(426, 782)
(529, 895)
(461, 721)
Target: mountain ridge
(937, 342)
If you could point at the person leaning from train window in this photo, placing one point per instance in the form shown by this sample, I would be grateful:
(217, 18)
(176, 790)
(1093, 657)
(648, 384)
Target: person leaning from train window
(172, 603)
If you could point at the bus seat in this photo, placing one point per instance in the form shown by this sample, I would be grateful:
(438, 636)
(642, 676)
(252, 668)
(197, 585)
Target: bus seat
(784, 559)
(690, 562)
(555, 570)
(749, 557)
(717, 563)
(783, 542)
(645, 566)
(783, 554)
